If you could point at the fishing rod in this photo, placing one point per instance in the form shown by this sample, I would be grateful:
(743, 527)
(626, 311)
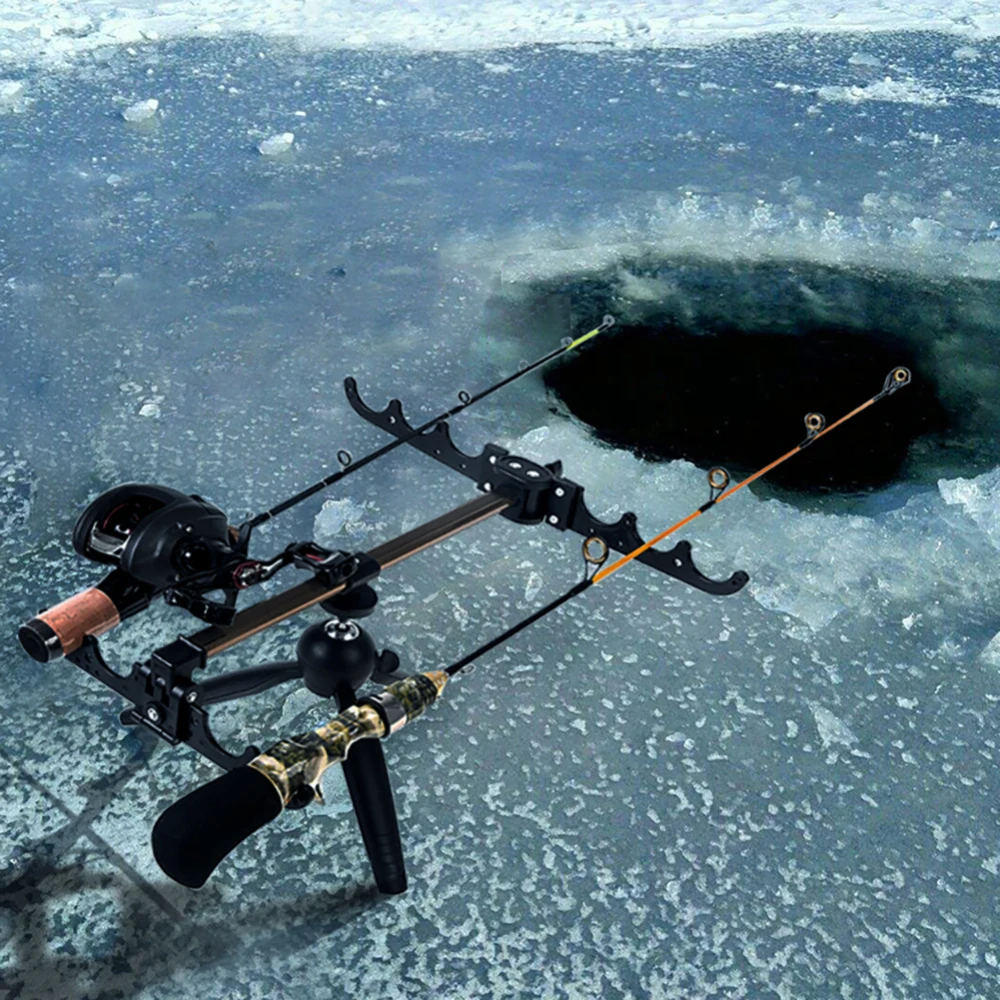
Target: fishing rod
(163, 541)
(718, 478)
(196, 833)
(465, 401)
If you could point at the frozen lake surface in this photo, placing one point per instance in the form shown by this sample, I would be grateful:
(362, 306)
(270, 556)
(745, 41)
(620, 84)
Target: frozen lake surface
(788, 793)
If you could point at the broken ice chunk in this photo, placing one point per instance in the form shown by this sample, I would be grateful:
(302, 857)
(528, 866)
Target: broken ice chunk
(831, 729)
(10, 91)
(277, 144)
(981, 499)
(533, 587)
(340, 517)
(865, 59)
(141, 111)
(991, 653)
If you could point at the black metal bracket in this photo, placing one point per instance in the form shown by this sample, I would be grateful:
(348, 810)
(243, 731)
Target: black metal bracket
(540, 493)
(163, 696)
(162, 690)
(333, 567)
(213, 612)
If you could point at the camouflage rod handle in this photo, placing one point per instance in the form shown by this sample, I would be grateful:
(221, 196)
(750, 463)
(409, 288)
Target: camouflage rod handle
(193, 835)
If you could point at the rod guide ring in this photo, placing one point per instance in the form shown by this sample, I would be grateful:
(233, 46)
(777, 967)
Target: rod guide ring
(718, 478)
(599, 558)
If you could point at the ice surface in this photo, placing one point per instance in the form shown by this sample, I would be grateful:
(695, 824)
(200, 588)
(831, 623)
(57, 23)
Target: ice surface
(652, 792)
(17, 488)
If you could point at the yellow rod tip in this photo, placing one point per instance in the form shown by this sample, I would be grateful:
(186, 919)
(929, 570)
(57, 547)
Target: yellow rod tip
(585, 337)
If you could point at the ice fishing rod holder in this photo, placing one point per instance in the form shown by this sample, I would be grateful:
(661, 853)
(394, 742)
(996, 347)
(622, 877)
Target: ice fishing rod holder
(160, 541)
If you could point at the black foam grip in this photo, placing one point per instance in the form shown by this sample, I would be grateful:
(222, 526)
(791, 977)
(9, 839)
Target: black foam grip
(368, 782)
(192, 836)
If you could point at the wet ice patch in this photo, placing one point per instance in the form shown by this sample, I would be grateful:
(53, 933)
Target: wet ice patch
(17, 490)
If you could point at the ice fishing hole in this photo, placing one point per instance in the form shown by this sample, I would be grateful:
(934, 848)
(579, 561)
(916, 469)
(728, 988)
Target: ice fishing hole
(719, 362)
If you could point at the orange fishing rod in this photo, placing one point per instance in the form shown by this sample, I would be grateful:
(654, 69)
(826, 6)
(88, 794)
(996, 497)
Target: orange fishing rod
(718, 478)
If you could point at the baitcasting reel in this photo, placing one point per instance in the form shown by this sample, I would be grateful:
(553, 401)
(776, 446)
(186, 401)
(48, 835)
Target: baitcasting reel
(156, 534)
(160, 541)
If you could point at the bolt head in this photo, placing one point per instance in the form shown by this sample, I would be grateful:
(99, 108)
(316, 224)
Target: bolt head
(345, 630)
(191, 697)
(560, 492)
(153, 713)
(553, 519)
